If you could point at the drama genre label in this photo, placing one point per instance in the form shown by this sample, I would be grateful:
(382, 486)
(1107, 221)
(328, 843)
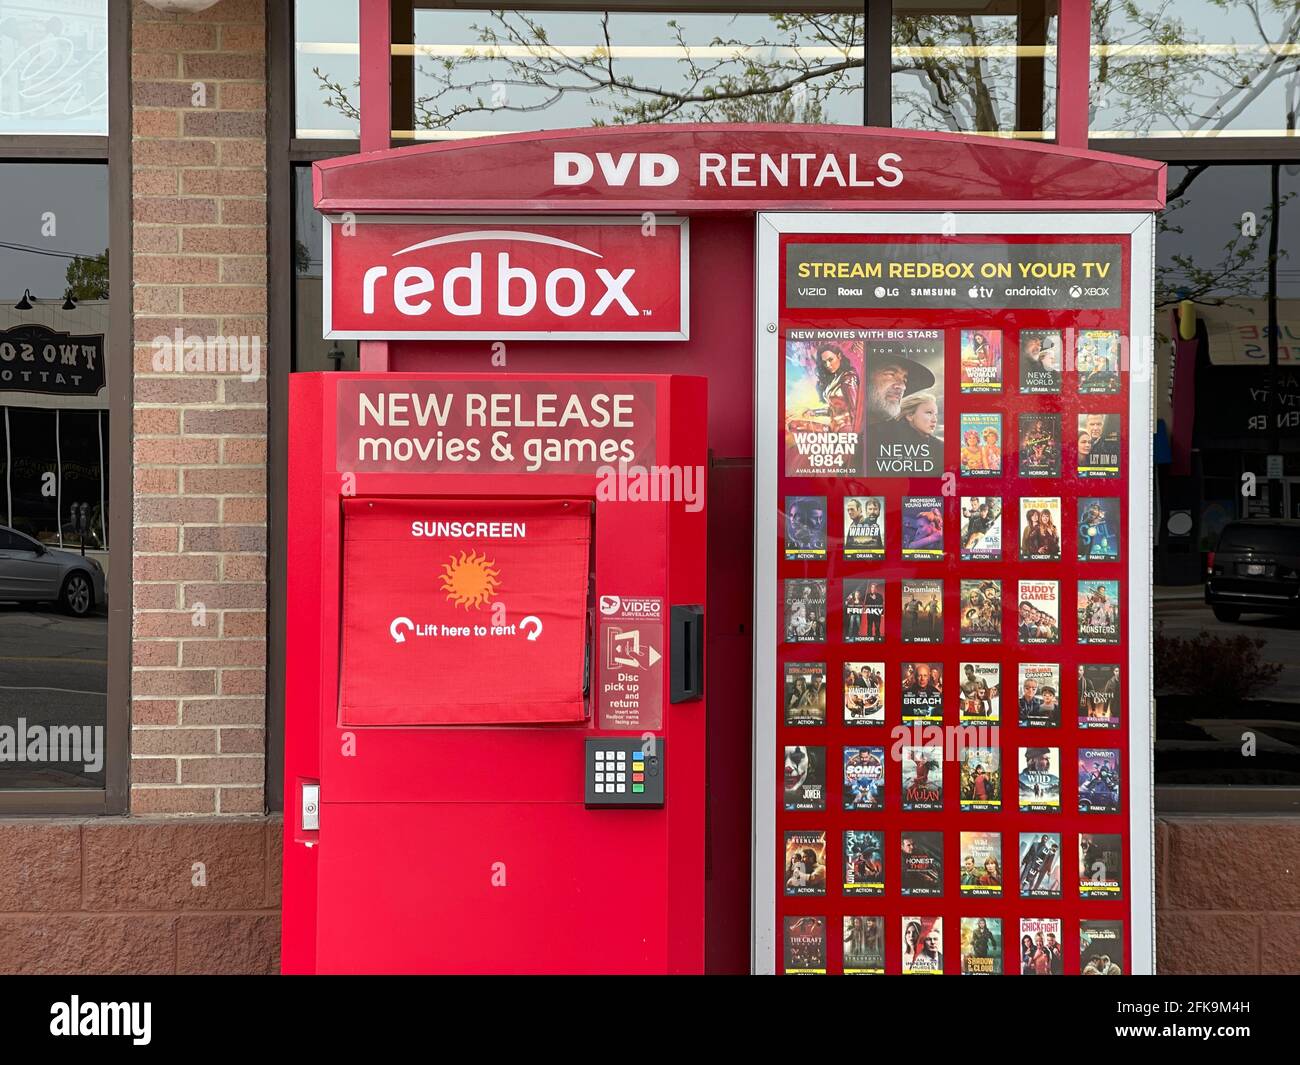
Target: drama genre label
(631, 647)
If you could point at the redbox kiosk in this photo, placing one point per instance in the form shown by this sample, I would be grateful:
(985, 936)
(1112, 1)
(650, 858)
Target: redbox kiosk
(644, 415)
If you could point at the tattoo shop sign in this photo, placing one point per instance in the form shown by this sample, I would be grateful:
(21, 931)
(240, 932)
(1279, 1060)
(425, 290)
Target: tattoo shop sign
(44, 361)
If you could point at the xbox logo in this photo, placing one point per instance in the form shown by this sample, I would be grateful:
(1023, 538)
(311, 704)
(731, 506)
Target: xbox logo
(1076, 291)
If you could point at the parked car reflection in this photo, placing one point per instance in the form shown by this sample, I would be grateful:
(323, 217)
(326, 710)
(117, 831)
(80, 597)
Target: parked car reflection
(30, 572)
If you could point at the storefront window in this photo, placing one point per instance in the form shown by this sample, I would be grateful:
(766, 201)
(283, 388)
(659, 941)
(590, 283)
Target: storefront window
(1196, 68)
(310, 351)
(54, 291)
(326, 68)
(478, 72)
(1228, 480)
(975, 68)
(54, 67)
(474, 72)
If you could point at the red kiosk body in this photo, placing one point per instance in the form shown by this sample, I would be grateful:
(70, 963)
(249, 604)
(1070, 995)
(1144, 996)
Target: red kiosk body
(455, 643)
(456, 662)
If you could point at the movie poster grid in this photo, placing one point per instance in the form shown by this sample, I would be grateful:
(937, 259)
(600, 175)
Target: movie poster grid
(1040, 865)
(1039, 444)
(1101, 862)
(1098, 609)
(864, 527)
(1039, 684)
(981, 360)
(805, 862)
(864, 403)
(864, 693)
(981, 610)
(1040, 362)
(981, 946)
(921, 692)
(805, 778)
(1040, 947)
(1099, 452)
(870, 403)
(805, 528)
(923, 946)
(922, 611)
(1100, 697)
(1040, 528)
(922, 778)
(1100, 781)
(864, 610)
(981, 528)
(921, 872)
(805, 946)
(980, 769)
(864, 945)
(981, 864)
(1101, 948)
(805, 693)
(1097, 360)
(1098, 539)
(981, 693)
(1040, 779)
(864, 778)
(1039, 612)
(805, 610)
(864, 862)
(923, 528)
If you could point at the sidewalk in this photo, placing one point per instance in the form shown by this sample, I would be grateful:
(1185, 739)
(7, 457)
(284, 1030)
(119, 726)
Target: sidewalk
(1165, 592)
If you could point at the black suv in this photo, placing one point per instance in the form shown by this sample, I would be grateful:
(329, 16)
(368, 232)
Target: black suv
(1256, 567)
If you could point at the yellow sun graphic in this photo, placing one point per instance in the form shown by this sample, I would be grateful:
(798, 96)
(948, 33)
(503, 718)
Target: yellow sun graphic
(470, 579)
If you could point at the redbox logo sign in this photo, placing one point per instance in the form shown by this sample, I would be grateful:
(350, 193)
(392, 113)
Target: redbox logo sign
(496, 279)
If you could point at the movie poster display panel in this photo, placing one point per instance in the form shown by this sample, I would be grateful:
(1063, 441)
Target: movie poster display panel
(970, 422)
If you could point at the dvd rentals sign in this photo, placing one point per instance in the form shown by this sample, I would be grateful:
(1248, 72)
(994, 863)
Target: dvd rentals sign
(584, 279)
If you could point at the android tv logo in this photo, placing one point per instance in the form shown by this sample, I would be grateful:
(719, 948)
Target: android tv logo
(470, 579)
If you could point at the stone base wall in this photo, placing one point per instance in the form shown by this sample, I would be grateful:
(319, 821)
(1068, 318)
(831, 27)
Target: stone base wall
(140, 895)
(154, 895)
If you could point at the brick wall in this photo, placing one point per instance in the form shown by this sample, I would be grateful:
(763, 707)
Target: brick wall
(199, 228)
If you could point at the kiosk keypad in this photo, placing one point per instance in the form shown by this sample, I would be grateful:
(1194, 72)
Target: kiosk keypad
(619, 772)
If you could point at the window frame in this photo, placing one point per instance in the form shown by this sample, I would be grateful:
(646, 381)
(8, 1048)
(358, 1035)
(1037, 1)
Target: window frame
(114, 151)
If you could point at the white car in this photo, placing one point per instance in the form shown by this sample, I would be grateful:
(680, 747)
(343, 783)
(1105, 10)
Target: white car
(31, 572)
